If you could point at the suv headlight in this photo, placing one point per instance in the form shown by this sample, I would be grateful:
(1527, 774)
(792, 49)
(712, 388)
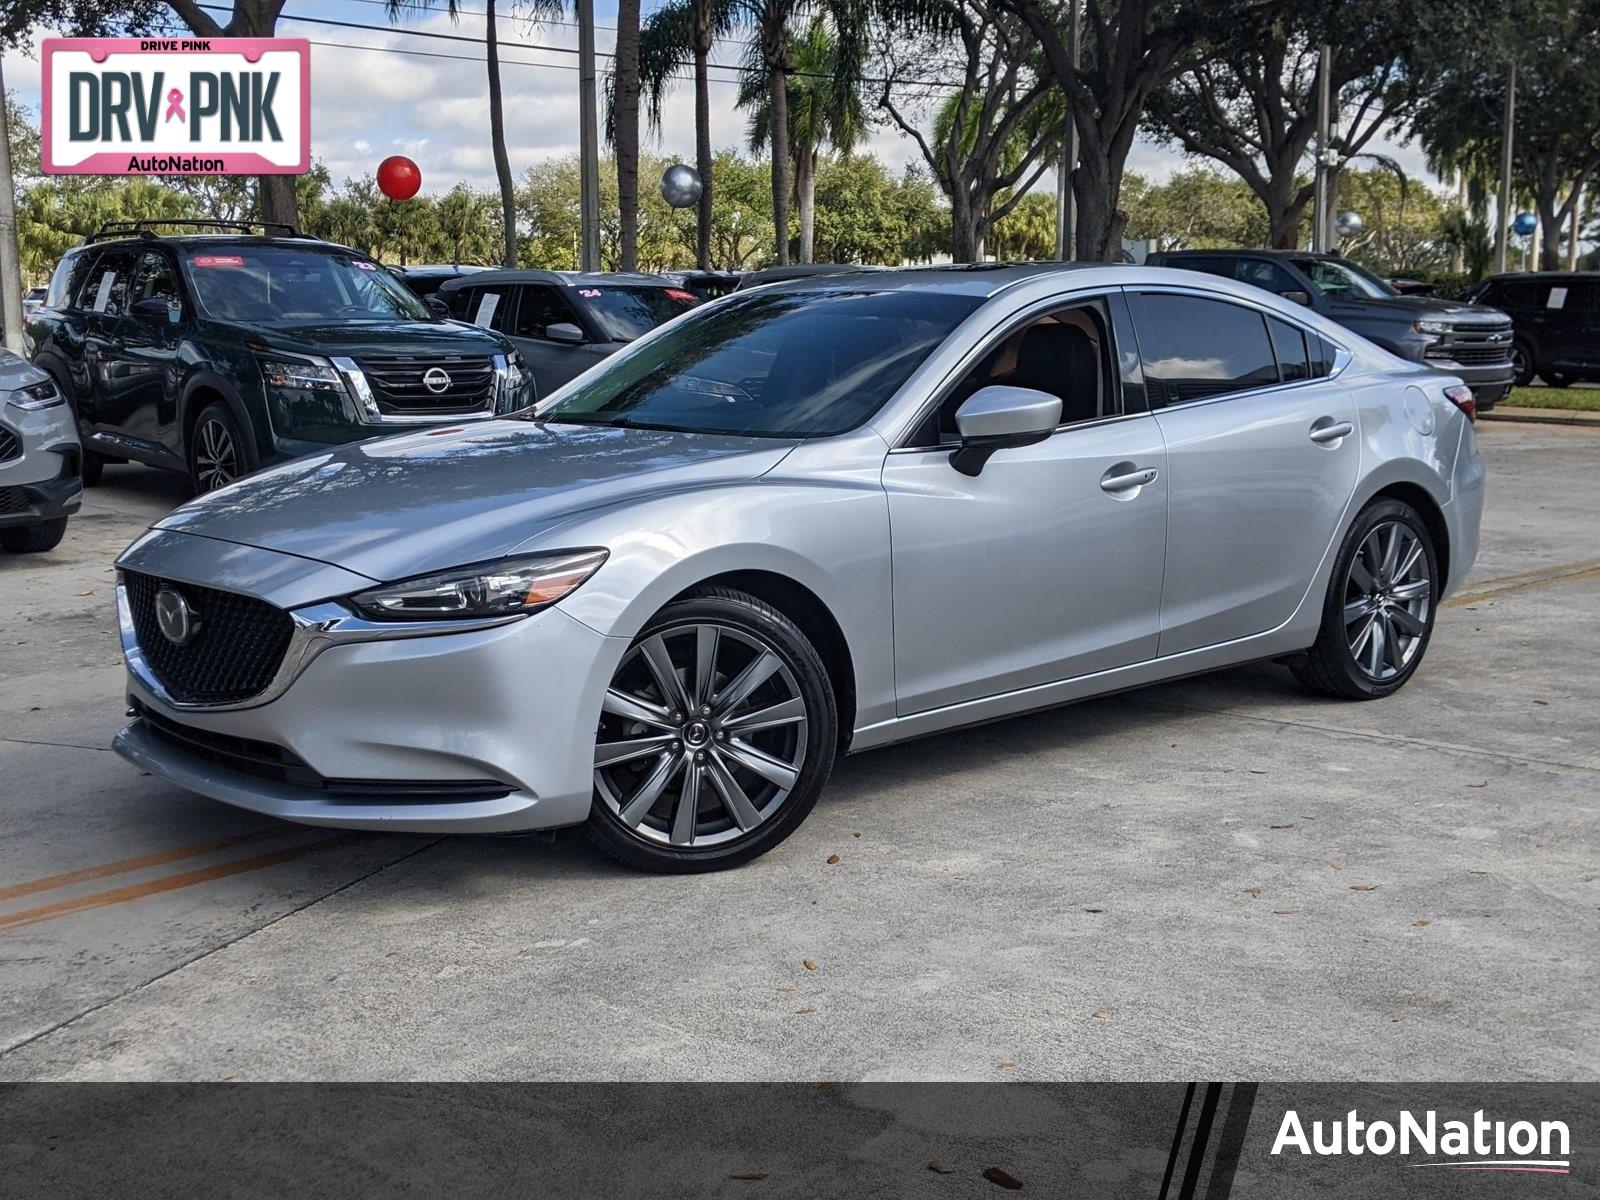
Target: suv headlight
(300, 374)
(505, 588)
(1439, 327)
(37, 395)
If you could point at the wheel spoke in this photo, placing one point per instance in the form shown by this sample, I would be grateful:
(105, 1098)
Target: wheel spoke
(650, 790)
(632, 708)
(1391, 554)
(785, 713)
(744, 813)
(1359, 574)
(761, 669)
(707, 639)
(666, 675)
(611, 754)
(773, 770)
(1406, 621)
(1412, 554)
(683, 819)
(1357, 609)
(1378, 646)
(1415, 590)
(1360, 644)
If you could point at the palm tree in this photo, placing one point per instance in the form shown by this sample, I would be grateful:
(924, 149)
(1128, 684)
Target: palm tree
(675, 30)
(624, 124)
(823, 109)
(497, 122)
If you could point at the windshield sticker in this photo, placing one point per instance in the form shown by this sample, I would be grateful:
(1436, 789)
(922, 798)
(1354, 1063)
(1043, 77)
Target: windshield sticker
(1558, 298)
(365, 266)
(680, 294)
(104, 293)
(486, 307)
(589, 293)
(217, 260)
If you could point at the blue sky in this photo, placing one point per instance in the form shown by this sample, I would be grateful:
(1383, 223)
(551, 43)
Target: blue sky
(382, 91)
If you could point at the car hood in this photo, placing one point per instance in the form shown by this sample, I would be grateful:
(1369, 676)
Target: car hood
(394, 507)
(1431, 308)
(353, 339)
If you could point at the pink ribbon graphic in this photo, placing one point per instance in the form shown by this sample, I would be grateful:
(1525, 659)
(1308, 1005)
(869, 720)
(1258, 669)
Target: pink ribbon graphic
(175, 105)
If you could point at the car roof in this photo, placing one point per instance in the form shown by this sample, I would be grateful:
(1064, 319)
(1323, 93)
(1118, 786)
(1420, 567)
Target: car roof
(569, 279)
(209, 240)
(964, 279)
(428, 269)
(1542, 276)
(1252, 252)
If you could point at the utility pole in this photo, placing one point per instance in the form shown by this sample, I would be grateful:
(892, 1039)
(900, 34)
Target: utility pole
(1066, 199)
(10, 266)
(588, 141)
(1502, 233)
(1320, 217)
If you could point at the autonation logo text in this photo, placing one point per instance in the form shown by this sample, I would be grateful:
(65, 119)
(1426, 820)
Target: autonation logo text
(1476, 1145)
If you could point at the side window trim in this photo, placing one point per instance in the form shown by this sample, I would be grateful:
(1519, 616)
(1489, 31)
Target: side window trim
(1340, 358)
(1107, 301)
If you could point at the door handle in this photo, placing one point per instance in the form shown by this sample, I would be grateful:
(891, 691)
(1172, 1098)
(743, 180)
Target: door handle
(1323, 434)
(1125, 480)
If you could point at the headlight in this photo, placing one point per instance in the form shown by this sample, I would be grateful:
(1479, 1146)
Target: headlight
(1431, 326)
(505, 588)
(37, 395)
(300, 374)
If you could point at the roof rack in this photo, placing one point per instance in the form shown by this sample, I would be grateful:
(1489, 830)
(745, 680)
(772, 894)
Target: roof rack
(143, 227)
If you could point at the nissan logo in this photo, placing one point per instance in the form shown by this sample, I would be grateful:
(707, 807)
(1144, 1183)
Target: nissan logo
(176, 620)
(436, 379)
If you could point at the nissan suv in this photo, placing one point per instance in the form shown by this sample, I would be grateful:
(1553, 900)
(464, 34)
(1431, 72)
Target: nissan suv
(215, 354)
(1469, 341)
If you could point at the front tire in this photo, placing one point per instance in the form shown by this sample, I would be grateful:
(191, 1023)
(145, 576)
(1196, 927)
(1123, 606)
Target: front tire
(218, 451)
(1379, 612)
(34, 539)
(1523, 368)
(718, 733)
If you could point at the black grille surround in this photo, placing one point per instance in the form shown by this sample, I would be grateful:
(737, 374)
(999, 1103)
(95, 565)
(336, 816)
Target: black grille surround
(277, 764)
(398, 387)
(10, 444)
(14, 501)
(233, 656)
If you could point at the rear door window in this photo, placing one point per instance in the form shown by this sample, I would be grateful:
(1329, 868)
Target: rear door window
(490, 307)
(1289, 344)
(1195, 347)
(540, 308)
(67, 284)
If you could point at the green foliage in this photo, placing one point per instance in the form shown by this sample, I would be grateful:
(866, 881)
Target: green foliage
(1404, 225)
(1028, 232)
(867, 215)
(1194, 209)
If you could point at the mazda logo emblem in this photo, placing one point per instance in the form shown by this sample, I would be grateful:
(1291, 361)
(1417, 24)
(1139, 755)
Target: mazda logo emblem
(176, 620)
(436, 379)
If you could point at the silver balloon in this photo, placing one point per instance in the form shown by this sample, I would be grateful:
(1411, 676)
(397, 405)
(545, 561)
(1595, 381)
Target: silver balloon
(680, 185)
(1349, 223)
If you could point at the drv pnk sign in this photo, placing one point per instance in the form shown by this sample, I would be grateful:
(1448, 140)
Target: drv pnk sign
(177, 106)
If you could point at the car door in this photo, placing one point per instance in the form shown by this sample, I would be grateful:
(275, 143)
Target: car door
(104, 299)
(553, 362)
(1047, 564)
(140, 353)
(1262, 458)
(1581, 328)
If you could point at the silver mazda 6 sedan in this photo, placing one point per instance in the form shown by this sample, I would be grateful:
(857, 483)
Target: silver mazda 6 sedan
(815, 517)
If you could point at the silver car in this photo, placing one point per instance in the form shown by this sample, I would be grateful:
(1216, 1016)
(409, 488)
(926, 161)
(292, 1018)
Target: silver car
(812, 518)
(40, 459)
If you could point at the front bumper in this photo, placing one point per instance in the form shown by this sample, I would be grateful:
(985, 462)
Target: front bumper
(483, 731)
(42, 478)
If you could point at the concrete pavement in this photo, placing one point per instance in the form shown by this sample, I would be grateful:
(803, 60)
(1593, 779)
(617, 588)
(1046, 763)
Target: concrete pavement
(1222, 876)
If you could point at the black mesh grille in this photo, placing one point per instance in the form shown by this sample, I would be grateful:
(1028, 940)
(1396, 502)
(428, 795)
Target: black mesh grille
(398, 383)
(10, 444)
(1476, 356)
(14, 500)
(233, 655)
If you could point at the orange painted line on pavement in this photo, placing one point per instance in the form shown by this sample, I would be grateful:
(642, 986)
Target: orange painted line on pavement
(156, 858)
(171, 883)
(1555, 575)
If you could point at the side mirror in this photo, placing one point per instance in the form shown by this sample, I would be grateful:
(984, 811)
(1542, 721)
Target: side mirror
(1297, 296)
(155, 310)
(437, 307)
(996, 417)
(565, 331)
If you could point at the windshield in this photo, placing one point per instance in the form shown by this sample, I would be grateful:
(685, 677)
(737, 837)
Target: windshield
(284, 283)
(1333, 278)
(626, 313)
(765, 364)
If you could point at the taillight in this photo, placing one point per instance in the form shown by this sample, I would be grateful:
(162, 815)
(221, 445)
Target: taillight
(1460, 395)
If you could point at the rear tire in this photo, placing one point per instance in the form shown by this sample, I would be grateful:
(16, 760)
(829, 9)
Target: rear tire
(1557, 379)
(34, 539)
(697, 767)
(1378, 616)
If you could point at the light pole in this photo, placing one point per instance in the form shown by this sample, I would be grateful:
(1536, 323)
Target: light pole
(1320, 205)
(10, 267)
(1066, 200)
(1502, 233)
(588, 142)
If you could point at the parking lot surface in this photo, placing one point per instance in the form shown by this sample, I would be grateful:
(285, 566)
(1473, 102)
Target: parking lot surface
(1223, 876)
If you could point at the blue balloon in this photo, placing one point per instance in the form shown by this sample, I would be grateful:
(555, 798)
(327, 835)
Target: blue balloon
(1525, 223)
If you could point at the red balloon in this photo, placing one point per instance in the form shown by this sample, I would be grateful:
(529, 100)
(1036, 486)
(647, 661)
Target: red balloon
(399, 177)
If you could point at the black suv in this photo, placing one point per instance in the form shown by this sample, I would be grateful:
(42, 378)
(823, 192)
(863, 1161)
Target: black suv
(216, 354)
(1556, 319)
(1472, 342)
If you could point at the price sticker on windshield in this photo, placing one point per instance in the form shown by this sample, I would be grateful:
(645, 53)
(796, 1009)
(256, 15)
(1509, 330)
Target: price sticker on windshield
(217, 260)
